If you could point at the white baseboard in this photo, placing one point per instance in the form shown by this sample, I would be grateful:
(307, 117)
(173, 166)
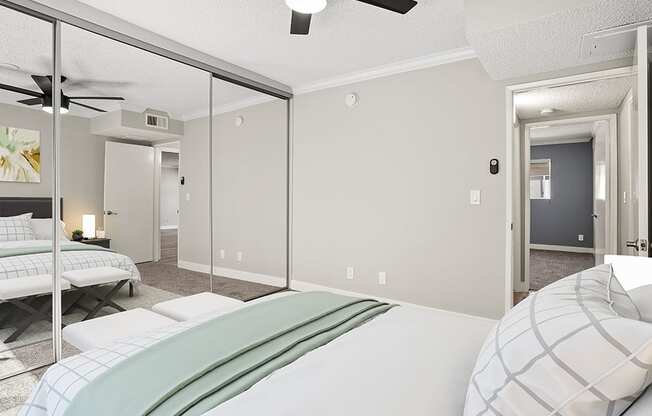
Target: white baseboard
(302, 286)
(169, 227)
(569, 249)
(233, 273)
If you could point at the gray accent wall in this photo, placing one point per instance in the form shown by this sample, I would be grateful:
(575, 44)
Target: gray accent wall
(559, 220)
(82, 167)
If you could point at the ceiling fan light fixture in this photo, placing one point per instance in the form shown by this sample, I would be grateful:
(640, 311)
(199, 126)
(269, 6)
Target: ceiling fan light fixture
(47, 104)
(306, 6)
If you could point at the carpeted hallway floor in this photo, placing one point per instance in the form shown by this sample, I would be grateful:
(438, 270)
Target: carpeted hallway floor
(547, 267)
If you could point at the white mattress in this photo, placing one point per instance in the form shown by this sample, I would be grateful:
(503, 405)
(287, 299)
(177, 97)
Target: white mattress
(409, 361)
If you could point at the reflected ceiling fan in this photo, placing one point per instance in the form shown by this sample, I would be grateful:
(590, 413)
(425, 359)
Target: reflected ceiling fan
(44, 98)
(302, 11)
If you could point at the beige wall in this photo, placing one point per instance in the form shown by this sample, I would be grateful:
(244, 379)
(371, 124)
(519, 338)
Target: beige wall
(384, 186)
(249, 188)
(82, 170)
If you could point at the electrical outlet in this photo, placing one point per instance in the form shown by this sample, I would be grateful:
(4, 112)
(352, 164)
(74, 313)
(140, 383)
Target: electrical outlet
(349, 273)
(382, 278)
(222, 253)
(239, 256)
(580, 237)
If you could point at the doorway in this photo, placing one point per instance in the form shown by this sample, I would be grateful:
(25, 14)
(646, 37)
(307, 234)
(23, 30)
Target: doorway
(569, 174)
(569, 198)
(169, 207)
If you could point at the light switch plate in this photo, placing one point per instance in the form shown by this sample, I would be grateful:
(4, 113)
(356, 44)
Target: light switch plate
(222, 253)
(382, 278)
(239, 256)
(475, 197)
(349, 273)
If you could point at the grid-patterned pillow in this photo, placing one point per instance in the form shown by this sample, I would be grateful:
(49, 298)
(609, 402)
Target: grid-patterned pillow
(17, 228)
(564, 351)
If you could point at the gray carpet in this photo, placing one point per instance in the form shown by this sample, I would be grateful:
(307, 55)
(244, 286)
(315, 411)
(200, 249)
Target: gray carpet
(547, 267)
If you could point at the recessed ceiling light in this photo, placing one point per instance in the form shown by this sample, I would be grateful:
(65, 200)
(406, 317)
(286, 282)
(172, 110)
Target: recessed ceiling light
(547, 111)
(9, 65)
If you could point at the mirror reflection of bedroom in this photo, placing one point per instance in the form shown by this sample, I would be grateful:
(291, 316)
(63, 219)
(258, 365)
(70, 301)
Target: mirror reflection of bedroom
(135, 155)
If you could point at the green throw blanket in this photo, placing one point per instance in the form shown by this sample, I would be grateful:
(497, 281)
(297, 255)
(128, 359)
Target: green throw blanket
(198, 369)
(47, 248)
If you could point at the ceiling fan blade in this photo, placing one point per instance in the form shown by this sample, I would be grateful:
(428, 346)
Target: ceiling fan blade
(98, 98)
(31, 101)
(300, 23)
(398, 6)
(90, 83)
(43, 82)
(88, 106)
(20, 90)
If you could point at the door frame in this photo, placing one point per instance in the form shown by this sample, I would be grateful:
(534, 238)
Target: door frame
(612, 194)
(158, 154)
(510, 124)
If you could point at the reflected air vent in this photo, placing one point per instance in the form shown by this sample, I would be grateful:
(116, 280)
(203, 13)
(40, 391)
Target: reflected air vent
(157, 121)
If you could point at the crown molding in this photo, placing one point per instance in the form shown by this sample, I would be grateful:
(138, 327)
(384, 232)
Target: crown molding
(234, 106)
(413, 64)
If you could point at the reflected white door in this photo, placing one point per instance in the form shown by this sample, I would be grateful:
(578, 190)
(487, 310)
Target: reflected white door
(600, 189)
(640, 241)
(129, 200)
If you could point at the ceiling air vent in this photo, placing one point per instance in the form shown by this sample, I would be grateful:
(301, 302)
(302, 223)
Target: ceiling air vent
(614, 42)
(157, 121)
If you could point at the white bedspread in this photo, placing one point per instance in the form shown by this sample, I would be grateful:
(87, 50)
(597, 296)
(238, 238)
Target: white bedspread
(36, 264)
(409, 361)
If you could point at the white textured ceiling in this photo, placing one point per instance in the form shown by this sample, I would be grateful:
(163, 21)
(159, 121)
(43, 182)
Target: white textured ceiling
(572, 99)
(347, 36)
(144, 79)
(519, 38)
(551, 134)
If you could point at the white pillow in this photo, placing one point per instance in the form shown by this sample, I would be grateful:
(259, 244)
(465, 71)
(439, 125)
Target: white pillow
(43, 228)
(642, 297)
(16, 228)
(564, 351)
(635, 274)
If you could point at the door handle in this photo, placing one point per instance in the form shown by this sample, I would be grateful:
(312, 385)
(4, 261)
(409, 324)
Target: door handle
(633, 244)
(109, 212)
(595, 216)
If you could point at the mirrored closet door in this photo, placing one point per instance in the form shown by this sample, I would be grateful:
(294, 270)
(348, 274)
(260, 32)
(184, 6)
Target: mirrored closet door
(250, 203)
(26, 193)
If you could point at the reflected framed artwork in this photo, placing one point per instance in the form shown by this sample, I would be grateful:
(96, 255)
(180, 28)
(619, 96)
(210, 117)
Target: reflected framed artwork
(20, 155)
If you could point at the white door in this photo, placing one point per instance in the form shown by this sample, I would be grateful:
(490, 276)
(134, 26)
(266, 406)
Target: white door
(129, 199)
(640, 241)
(600, 189)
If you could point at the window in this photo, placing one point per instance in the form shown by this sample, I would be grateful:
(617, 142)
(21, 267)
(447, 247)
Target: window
(540, 179)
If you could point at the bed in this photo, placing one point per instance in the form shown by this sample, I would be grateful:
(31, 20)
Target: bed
(410, 360)
(73, 256)
(579, 347)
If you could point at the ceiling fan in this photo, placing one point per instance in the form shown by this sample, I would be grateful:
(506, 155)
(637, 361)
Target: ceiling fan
(44, 98)
(302, 11)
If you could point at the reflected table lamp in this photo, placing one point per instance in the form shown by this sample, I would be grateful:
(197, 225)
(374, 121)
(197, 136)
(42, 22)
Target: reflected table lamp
(88, 225)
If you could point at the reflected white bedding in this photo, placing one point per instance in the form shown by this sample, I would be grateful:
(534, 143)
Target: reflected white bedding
(409, 361)
(35, 264)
